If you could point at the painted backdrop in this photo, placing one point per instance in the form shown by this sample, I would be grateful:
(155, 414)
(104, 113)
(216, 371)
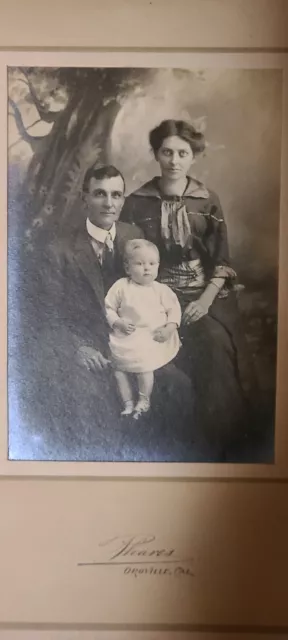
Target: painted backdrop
(62, 120)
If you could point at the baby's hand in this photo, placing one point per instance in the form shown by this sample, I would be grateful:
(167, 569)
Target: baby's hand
(124, 325)
(163, 333)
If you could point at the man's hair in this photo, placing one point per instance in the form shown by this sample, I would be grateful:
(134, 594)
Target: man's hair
(100, 172)
(133, 245)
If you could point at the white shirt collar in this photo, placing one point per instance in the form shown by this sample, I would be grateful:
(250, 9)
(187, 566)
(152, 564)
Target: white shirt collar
(99, 234)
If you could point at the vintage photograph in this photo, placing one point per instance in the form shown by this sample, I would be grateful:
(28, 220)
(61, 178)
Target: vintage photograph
(143, 228)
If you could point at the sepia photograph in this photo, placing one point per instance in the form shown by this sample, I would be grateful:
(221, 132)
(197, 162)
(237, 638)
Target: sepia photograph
(143, 234)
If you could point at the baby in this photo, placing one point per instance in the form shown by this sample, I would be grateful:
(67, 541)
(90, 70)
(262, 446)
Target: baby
(144, 316)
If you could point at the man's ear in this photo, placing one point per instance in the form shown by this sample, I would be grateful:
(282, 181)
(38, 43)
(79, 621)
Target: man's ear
(84, 198)
(123, 198)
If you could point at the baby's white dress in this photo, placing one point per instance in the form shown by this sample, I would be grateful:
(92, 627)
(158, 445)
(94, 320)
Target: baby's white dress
(148, 307)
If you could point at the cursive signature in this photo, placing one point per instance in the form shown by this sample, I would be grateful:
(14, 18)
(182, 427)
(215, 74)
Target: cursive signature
(129, 550)
(136, 546)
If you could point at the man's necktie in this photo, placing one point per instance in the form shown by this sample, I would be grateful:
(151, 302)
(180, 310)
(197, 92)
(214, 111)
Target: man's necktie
(109, 244)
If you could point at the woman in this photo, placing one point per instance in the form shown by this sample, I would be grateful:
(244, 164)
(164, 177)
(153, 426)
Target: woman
(185, 220)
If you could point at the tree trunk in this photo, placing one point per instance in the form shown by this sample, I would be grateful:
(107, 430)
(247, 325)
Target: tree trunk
(57, 185)
(79, 137)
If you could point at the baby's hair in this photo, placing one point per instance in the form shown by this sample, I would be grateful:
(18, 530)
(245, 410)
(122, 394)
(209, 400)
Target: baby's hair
(135, 244)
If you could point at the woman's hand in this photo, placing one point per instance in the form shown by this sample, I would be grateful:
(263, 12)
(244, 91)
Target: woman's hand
(194, 311)
(124, 325)
(92, 359)
(163, 333)
(199, 308)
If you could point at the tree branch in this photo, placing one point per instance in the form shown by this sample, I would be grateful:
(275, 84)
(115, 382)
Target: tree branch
(32, 140)
(44, 113)
(24, 82)
(33, 123)
(21, 139)
(10, 146)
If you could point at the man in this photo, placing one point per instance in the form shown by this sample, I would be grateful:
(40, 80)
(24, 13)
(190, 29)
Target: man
(85, 264)
(98, 251)
(73, 395)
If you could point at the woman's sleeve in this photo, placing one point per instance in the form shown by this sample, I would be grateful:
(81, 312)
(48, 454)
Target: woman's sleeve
(171, 305)
(112, 303)
(219, 249)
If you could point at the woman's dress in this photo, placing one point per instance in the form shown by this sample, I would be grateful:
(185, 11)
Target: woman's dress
(191, 235)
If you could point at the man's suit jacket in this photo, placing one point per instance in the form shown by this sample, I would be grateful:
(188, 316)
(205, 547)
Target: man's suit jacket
(61, 310)
(76, 411)
(79, 286)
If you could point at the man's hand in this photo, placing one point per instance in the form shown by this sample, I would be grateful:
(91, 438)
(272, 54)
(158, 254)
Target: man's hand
(124, 325)
(163, 333)
(92, 359)
(194, 311)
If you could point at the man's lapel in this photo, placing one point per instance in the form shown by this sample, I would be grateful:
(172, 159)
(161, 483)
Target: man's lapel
(89, 265)
(87, 261)
(124, 232)
(119, 244)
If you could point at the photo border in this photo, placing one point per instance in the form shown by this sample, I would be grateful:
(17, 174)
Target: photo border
(154, 470)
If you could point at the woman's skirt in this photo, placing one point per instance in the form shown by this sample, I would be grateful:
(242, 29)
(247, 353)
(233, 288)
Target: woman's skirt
(216, 358)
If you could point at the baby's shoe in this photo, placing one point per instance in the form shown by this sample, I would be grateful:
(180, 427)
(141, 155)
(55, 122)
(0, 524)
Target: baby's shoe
(142, 406)
(128, 408)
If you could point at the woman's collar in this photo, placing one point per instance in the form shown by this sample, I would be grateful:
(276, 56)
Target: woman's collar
(194, 189)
